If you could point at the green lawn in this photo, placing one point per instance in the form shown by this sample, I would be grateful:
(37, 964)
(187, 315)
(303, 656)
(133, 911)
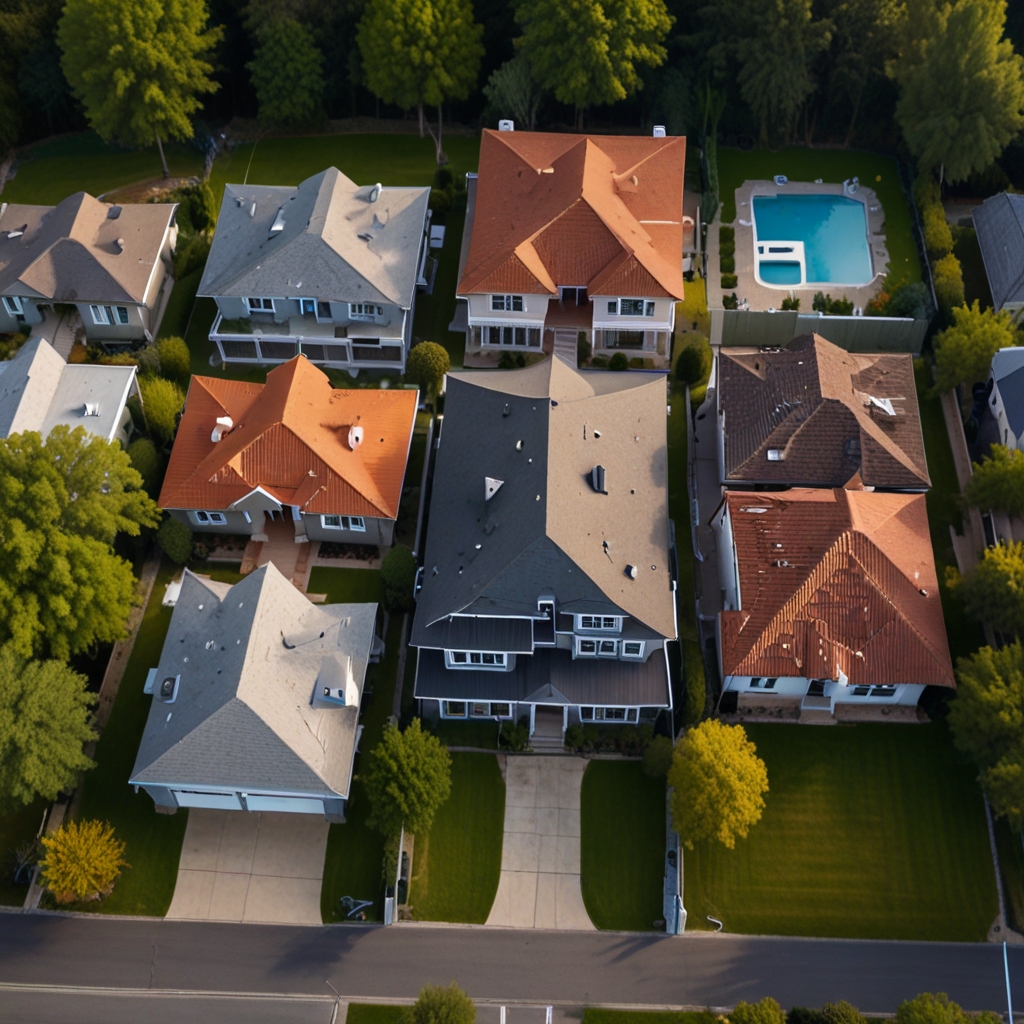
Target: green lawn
(179, 310)
(17, 827)
(434, 312)
(468, 733)
(456, 866)
(622, 845)
(968, 252)
(870, 831)
(375, 1013)
(595, 1015)
(59, 167)
(832, 165)
(345, 586)
(965, 635)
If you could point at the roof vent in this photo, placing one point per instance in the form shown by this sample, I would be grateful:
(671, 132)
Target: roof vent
(597, 480)
(506, 125)
(168, 691)
(775, 455)
(659, 131)
(17, 233)
(355, 437)
(375, 192)
(252, 209)
(90, 409)
(240, 201)
(491, 487)
(278, 224)
(506, 410)
(120, 245)
(632, 572)
(222, 426)
(884, 404)
(113, 212)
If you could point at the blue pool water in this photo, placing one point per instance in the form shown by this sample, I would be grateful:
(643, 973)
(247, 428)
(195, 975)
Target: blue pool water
(832, 228)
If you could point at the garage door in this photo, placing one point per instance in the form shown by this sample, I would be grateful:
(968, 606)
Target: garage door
(220, 801)
(293, 804)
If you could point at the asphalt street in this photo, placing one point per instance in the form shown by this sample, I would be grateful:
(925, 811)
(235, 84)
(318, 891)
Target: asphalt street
(131, 957)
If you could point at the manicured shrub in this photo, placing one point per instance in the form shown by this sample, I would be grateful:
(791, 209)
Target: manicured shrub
(147, 463)
(506, 362)
(440, 201)
(927, 192)
(790, 302)
(938, 238)
(729, 281)
(191, 256)
(618, 362)
(726, 233)
(658, 757)
(764, 1011)
(515, 736)
(574, 737)
(442, 1005)
(909, 300)
(948, 279)
(175, 360)
(426, 366)
(583, 350)
(175, 540)
(694, 363)
(728, 264)
(398, 576)
(831, 307)
(82, 861)
(730, 301)
(161, 402)
(727, 248)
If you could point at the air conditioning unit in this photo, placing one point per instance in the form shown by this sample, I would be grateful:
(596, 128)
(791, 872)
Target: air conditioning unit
(506, 126)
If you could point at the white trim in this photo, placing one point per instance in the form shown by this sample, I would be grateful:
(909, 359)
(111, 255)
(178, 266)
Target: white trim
(476, 666)
(353, 524)
(256, 490)
(261, 308)
(220, 520)
(615, 628)
(14, 305)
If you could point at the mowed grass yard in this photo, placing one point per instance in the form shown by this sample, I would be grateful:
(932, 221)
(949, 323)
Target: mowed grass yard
(870, 831)
(456, 865)
(832, 165)
(622, 845)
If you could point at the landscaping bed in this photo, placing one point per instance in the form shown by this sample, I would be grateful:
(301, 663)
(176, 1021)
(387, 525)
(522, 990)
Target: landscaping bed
(456, 866)
(870, 831)
(622, 845)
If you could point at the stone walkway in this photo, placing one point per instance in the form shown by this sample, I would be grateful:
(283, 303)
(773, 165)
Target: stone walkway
(262, 868)
(540, 856)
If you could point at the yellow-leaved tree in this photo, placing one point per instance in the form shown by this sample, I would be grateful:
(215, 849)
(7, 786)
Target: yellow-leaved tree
(718, 784)
(83, 859)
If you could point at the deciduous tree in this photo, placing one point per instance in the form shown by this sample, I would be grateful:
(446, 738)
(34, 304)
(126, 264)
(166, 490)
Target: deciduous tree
(426, 366)
(175, 540)
(419, 53)
(442, 1004)
(408, 777)
(62, 503)
(718, 784)
(928, 1008)
(589, 52)
(45, 720)
(512, 90)
(961, 85)
(287, 74)
(993, 591)
(998, 482)
(964, 350)
(162, 400)
(764, 1011)
(83, 859)
(138, 66)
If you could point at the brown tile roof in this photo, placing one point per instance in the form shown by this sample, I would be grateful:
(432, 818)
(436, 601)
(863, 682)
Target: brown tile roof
(835, 580)
(811, 402)
(290, 437)
(603, 211)
(71, 252)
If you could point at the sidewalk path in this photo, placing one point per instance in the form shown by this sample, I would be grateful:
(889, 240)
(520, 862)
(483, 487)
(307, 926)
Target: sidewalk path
(540, 855)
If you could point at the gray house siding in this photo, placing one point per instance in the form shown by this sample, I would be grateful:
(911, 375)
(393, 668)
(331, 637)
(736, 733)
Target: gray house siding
(231, 307)
(163, 798)
(235, 522)
(378, 531)
(31, 315)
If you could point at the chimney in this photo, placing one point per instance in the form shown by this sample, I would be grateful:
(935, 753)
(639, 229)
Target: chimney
(224, 425)
(355, 437)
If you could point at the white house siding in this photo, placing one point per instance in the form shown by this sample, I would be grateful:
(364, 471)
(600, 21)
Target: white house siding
(169, 798)
(534, 312)
(664, 317)
(797, 686)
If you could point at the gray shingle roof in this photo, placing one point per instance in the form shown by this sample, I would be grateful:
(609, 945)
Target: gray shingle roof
(243, 715)
(546, 530)
(335, 243)
(1008, 373)
(999, 222)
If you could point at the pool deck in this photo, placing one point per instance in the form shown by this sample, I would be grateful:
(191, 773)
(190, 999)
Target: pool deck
(758, 296)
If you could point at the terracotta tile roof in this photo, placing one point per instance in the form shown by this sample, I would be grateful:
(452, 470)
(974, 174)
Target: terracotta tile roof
(290, 437)
(600, 211)
(812, 402)
(835, 580)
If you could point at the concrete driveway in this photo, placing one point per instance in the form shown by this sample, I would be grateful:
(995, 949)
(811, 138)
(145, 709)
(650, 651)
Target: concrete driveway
(264, 868)
(540, 856)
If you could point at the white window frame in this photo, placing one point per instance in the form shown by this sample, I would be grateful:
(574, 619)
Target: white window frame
(307, 302)
(490, 712)
(609, 624)
(603, 647)
(365, 311)
(507, 336)
(507, 304)
(763, 682)
(615, 307)
(99, 314)
(258, 304)
(354, 524)
(638, 653)
(12, 303)
(630, 716)
(465, 660)
(206, 518)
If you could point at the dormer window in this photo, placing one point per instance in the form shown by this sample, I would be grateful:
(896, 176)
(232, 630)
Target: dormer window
(492, 661)
(599, 623)
(12, 303)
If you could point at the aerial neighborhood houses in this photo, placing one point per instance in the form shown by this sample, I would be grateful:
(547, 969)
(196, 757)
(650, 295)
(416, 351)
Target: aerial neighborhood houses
(112, 263)
(999, 223)
(830, 599)
(327, 269)
(572, 237)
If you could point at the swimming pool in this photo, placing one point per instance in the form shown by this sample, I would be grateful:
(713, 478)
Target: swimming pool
(822, 239)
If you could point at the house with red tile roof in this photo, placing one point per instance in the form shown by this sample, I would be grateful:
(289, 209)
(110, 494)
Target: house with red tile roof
(570, 235)
(831, 600)
(332, 462)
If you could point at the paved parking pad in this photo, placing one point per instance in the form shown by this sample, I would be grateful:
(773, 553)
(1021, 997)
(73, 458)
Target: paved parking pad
(237, 866)
(540, 856)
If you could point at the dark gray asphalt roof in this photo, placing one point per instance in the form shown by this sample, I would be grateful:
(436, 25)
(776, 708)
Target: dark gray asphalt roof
(999, 222)
(550, 677)
(1011, 388)
(546, 530)
(474, 633)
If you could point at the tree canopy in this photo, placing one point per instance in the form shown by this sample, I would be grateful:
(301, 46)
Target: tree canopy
(513, 91)
(928, 1008)
(993, 591)
(138, 66)
(998, 482)
(82, 860)
(964, 350)
(764, 1011)
(718, 784)
(408, 777)
(162, 400)
(961, 85)
(589, 51)
(287, 74)
(426, 366)
(62, 587)
(442, 1004)
(45, 720)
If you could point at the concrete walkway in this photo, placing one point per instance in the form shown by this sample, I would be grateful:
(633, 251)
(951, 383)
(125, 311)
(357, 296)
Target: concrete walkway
(540, 856)
(264, 868)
